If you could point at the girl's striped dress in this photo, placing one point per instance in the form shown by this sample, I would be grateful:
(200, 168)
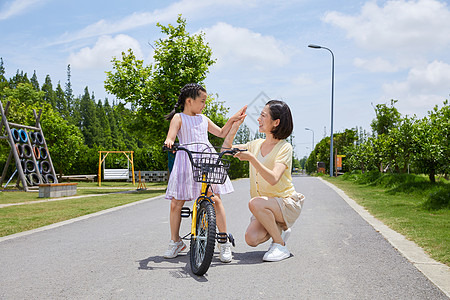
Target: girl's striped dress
(181, 186)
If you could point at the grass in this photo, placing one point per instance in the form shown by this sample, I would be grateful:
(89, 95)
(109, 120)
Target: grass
(14, 219)
(400, 203)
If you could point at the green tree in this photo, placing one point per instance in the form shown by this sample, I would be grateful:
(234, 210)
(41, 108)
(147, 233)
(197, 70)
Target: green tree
(153, 90)
(49, 93)
(89, 126)
(64, 141)
(432, 136)
(34, 82)
(242, 135)
(116, 136)
(3, 80)
(105, 129)
(60, 102)
(216, 111)
(68, 94)
(20, 77)
(387, 118)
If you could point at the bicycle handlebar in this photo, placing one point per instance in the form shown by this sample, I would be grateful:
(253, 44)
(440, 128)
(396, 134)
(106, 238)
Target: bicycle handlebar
(177, 147)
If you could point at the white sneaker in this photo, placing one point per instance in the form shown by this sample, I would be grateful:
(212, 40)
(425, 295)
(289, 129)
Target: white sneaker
(174, 249)
(284, 236)
(276, 253)
(225, 252)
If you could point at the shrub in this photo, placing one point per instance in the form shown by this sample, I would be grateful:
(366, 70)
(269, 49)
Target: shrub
(439, 199)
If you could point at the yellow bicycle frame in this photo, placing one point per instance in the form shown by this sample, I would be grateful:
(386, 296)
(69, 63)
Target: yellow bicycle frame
(194, 209)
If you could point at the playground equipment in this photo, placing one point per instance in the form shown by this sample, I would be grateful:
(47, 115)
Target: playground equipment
(141, 183)
(29, 149)
(119, 174)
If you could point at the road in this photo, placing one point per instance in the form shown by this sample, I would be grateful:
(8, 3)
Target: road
(336, 254)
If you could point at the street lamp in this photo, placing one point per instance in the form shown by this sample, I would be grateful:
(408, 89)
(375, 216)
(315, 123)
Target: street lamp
(312, 149)
(332, 100)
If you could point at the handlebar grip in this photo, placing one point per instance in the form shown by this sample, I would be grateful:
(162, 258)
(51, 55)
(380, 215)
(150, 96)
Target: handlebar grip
(174, 147)
(233, 151)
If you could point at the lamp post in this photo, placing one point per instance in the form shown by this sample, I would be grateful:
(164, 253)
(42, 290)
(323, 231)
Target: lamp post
(332, 100)
(312, 149)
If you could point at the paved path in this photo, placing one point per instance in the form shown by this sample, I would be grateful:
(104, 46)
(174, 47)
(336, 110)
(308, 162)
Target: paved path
(336, 254)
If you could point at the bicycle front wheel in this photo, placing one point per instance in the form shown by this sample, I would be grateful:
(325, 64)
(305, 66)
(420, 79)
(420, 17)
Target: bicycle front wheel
(202, 245)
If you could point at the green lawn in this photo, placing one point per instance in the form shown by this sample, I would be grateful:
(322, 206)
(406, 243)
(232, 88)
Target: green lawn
(14, 219)
(404, 212)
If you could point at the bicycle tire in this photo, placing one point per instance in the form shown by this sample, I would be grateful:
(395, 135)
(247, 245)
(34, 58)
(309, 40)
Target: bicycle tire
(202, 246)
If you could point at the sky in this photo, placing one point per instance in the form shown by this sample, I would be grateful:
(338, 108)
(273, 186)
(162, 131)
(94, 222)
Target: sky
(382, 50)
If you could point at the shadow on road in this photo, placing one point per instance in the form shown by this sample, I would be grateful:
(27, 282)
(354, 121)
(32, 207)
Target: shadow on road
(178, 267)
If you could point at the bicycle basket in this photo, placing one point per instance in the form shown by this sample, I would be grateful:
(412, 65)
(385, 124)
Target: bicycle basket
(210, 169)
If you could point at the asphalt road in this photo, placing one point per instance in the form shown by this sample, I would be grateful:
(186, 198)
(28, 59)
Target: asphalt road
(118, 255)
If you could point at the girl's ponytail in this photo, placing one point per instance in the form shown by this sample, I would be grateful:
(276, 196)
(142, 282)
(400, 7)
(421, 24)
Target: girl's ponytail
(172, 113)
(190, 90)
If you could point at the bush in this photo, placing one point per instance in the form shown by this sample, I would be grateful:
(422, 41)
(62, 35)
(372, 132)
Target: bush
(439, 199)
(368, 177)
(396, 180)
(238, 169)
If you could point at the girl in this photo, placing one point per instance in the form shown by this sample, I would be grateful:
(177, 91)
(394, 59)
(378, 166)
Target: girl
(191, 126)
(275, 204)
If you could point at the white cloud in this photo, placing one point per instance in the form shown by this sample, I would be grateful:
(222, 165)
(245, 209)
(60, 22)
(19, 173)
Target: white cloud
(17, 7)
(104, 49)
(420, 25)
(188, 8)
(425, 87)
(375, 65)
(239, 46)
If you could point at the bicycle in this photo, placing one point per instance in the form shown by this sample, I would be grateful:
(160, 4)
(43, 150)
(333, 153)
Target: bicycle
(208, 168)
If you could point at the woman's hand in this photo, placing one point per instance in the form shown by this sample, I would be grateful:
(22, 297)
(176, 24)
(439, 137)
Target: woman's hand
(245, 156)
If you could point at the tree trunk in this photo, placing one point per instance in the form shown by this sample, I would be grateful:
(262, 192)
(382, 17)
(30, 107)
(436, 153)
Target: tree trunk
(432, 176)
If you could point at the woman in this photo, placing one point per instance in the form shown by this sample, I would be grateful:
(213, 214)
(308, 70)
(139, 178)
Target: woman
(275, 204)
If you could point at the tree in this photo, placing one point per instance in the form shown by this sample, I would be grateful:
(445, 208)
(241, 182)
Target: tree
(20, 77)
(153, 90)
(64, 141)
(105, 129)
(386, 118)
(34, 82)
(68, 93)
(89, 126)
(60, 102)
(432, 136)
(49, 93)
(242, 135)
(3, 80)
(116, 136)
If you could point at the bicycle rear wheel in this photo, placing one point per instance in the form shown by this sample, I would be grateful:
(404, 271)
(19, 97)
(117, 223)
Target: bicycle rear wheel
(202, 245)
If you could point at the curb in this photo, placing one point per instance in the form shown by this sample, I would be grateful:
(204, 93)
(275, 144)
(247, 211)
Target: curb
(438, 273)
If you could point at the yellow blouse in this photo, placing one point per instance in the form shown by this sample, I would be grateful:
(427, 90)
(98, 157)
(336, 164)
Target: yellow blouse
(281, 153)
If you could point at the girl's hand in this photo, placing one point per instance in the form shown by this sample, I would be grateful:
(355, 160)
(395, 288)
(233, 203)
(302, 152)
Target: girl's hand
(240, 115)
(236, 124)
(168, 143)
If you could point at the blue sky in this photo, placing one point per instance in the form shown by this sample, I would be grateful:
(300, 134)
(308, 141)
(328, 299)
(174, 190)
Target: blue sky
(383, 50)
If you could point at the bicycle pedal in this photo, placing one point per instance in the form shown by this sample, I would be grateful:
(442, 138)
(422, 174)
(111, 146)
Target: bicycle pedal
(221, 237)
(231, 239)
(185, 212)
